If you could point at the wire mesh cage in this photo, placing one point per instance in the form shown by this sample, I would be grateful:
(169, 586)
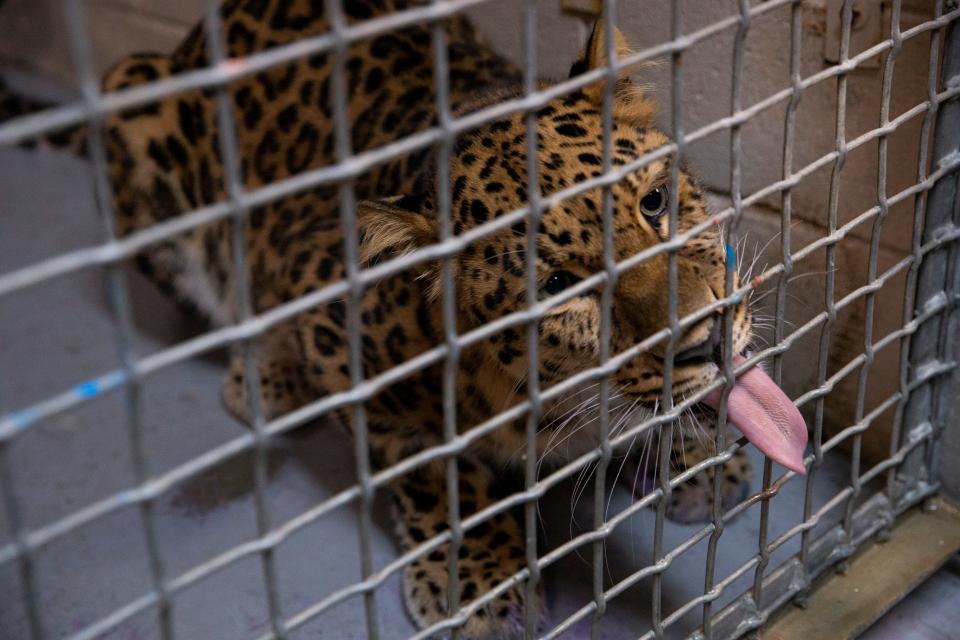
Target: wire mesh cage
(514, 294)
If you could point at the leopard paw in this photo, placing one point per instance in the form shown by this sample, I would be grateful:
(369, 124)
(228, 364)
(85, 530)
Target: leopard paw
(502, 618)
(492, 552)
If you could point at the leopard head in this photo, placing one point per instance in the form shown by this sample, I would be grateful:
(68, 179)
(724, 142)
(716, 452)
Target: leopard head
(488, 179)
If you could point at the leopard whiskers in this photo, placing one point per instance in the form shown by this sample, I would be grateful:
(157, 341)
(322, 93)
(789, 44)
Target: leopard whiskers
(567, 414)
(615, 399)
(758, 251)
(555, 407)
(768, 321)
(643, 464)
(807, 274)
(621, 425)
(579, 488)
(589, 404)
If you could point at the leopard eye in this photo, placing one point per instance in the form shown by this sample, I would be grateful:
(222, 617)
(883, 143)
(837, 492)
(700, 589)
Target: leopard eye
(558, 281)
(654, 204)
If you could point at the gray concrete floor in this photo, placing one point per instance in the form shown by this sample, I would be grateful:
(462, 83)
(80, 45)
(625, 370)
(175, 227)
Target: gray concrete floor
(930, 612)
(60, 333)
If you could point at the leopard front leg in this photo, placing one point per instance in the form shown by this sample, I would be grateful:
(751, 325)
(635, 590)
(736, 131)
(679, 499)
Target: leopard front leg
(492, 551)
(692, 501)
(283, 387)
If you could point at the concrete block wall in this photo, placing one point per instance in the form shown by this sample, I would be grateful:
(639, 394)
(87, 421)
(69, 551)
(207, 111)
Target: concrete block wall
(33, 34)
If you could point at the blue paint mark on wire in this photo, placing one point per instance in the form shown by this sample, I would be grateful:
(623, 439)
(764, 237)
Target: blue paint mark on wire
(19, 420)
(737, 296)
(98, 386)
(87, 389)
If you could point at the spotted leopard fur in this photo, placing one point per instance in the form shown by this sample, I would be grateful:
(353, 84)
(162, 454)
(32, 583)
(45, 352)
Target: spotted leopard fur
(165, 160)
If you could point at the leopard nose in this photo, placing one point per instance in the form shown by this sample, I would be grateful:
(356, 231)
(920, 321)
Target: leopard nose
(702, 352)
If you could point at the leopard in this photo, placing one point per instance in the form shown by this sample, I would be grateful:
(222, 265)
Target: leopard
(167, 158)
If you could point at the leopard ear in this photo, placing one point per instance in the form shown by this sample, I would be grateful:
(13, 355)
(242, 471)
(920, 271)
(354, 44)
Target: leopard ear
(394, 227)
(397, 226)
(630, 104)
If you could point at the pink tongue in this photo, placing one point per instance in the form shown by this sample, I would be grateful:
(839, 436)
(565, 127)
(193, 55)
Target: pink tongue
(766, 416)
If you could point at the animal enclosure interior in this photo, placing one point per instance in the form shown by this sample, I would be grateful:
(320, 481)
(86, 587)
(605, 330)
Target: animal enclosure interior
(136, 506)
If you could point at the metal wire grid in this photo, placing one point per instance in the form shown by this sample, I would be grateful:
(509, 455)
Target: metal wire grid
(924, 359)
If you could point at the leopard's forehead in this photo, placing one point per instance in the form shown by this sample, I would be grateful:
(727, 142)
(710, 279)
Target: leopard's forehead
(569, 141)
(490, 172)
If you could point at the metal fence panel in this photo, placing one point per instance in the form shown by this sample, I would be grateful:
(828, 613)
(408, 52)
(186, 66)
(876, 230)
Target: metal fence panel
(926, 336)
